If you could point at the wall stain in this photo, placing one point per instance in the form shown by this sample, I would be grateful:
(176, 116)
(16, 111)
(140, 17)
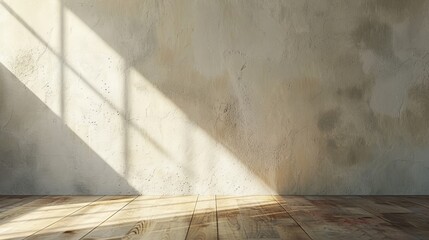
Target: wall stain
(297, 122)
(347, 150)
(416, 114)
(399, 9)
(375, 36)
(328, 120)
(353, 93)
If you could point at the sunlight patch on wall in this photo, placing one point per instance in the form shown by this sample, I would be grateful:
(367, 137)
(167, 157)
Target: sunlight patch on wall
(93, 90)
(112, 108)
(29, 45)
(191, 157)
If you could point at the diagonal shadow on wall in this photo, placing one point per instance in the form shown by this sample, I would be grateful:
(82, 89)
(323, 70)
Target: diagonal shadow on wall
(219, 104)
(218, 100)
(36, 156)
(216, 89)
(132, 33)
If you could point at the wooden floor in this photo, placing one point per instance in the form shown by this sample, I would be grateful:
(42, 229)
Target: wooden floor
(213, 217)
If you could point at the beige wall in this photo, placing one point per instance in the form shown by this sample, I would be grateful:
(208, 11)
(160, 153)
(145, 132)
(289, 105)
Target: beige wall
(214, 97)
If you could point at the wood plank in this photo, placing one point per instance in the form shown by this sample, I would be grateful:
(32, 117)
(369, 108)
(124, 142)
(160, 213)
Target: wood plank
(422, 200)
(149, 217)
(35, 204)
(255, 223)
(264, 218)
(120, 224)
(203, 224)
(39, 214)
(7, 200)
(281, 220)
(238, 217)
(334, 218)
(414, 222)
(375, 205)
(13, 202)
(229, 219)
(292, 203)
(172, 221)
(76, 225)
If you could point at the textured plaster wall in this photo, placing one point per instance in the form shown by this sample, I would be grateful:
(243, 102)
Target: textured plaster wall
(214, 97)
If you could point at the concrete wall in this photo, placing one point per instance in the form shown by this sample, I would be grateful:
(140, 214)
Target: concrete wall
(214, 97)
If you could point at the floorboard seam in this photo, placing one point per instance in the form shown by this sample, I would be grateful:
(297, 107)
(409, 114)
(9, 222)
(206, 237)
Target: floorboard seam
(108, 218)
(217, 224)
(375, 214)
(292, 217)
(62, 218)
(192, 217)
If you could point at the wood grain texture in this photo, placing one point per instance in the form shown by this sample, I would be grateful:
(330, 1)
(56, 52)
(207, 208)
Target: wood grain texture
(172, 221)
(130, 217)
(76, 225)
(230, 224)
(341, 218)
(203, 224)
(421, 200)
(414, 222)
(149, 218)
(39, 214)
(13, 202)
(214, 217)
(266, 219)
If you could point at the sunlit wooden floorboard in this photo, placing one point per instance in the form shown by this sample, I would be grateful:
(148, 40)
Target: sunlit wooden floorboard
(214, 217)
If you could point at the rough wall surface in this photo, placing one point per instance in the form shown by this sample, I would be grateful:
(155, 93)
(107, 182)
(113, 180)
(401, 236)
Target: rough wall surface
(214, 97)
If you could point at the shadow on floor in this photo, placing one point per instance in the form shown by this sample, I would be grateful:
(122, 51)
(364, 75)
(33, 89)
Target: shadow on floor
(254, 217)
